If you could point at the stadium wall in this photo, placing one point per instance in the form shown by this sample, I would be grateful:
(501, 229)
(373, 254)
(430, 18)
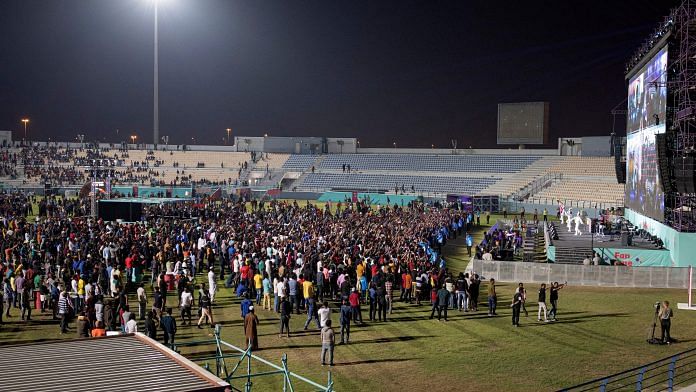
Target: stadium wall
(375, 198)
(682, 246)
(5, 138)
(467, 151)
(596, 146)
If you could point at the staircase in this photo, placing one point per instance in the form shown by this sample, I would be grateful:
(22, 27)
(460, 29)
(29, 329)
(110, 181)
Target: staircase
(566, 255)
(534, 245)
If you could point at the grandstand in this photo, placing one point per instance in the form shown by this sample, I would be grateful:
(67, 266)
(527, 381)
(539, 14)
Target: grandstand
(534, 176)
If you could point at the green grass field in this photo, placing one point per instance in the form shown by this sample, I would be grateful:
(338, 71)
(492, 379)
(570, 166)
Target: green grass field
(600, 331)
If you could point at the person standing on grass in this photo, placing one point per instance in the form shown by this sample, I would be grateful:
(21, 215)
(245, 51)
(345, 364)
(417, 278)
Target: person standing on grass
(251, 333)
(523, 292)
(555, 287)
(389, 294)
(142, 300)
(158, 303)
(665, 315)
(258, 286)
(245, 305)
(542, 303)
(26, 302)
(406, 286)
(212, 284)
(168, 325)
(285, 312)
(443, 299)
(492, 298)
(373, 301)
(312, 313)
(324, 314)
(344, 322)
(354, 301)
(150, 326)
(186, 305)
(205, 304)
(516, 306)
(433, 303)
(9, 294)
(64, 311)
(328, 339)
(266, 291)
(474, 288)
(381, 294)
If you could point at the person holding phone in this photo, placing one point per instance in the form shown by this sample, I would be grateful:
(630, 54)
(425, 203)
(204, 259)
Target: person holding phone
(553, 297)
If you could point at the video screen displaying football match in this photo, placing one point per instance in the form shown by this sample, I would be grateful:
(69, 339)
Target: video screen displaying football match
(647, 105)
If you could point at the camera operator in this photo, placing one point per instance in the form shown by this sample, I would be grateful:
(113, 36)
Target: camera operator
(665, 316)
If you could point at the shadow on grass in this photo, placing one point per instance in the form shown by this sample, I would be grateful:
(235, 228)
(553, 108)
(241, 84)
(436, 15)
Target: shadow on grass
(356, 342)
(575, 320)
(369, 361)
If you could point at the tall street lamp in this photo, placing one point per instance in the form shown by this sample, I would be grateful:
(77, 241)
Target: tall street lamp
(26, 122)
(229, 130)
(155, 108)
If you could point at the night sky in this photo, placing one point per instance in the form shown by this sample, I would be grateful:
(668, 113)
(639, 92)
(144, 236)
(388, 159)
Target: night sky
(415, 72)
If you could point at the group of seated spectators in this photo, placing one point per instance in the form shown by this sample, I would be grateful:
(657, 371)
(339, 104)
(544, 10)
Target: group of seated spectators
(501, 243)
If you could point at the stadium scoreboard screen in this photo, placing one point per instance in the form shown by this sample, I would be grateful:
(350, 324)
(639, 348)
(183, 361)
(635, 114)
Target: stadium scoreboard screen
(523, 123)
(647, 106)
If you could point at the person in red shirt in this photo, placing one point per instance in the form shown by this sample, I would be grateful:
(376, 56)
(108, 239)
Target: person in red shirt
(354, 300)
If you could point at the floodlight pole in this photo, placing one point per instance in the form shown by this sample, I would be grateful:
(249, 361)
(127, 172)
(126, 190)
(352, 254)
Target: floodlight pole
(155, 114)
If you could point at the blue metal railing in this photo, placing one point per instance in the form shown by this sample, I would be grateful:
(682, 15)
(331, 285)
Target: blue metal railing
(666, 374)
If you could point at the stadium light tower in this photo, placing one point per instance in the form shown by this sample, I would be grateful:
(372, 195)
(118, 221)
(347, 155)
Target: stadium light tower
(26, 123)
(155, 105)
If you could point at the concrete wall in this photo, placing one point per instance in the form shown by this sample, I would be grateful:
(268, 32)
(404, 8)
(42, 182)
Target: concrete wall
(449, 151)
(248, 143)
(350, 145)
(596, 146)
(5, 138)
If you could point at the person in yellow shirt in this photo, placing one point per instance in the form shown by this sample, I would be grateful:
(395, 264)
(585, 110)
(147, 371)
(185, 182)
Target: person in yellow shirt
(258, 285)
(307, 289)
(359, 271)
(80, 293)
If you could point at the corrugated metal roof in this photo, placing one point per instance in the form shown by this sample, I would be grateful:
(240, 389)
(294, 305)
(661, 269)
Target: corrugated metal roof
(118, 363)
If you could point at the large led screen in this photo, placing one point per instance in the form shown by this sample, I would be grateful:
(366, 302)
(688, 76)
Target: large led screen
(647, 105)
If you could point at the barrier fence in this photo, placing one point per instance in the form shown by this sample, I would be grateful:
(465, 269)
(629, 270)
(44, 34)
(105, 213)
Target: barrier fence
(667, 374)
(583, 275)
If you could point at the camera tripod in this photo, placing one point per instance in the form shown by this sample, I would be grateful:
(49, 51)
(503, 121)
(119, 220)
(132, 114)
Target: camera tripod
(653, 339)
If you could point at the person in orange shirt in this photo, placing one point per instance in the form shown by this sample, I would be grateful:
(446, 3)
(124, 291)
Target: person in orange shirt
(98, 330)
(406, 284)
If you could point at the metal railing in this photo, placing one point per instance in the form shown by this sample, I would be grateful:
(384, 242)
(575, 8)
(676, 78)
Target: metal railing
(583, 275)
(666, 374)
(240, 372)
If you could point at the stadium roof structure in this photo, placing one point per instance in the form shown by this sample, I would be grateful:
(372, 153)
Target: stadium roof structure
(130, 362)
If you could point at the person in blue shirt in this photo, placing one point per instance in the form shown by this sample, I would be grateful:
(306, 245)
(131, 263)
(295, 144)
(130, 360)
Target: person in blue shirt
(245, 305)
(241, 289)
(469, 243)
(345, 316)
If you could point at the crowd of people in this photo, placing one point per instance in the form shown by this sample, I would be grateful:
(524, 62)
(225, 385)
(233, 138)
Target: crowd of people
(290, 259)
(63, 165)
